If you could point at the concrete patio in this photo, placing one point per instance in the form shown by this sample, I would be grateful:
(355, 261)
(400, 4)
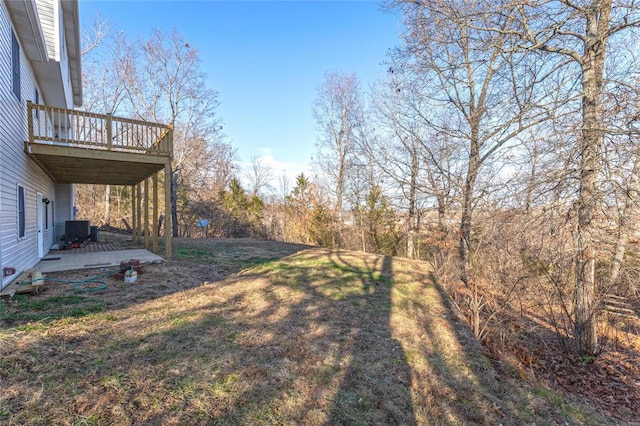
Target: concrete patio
(69, 260)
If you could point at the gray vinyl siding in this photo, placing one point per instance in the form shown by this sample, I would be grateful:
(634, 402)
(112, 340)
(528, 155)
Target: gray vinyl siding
(47, 12)
(16, 167)
(64, 204)
(63, 57)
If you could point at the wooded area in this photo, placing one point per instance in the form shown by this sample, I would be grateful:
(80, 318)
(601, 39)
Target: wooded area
(503, 147)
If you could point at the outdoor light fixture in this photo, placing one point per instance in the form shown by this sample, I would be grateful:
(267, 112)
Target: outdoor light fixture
(45, 200)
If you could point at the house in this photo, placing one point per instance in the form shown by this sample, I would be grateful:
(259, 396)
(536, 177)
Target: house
(47, 145)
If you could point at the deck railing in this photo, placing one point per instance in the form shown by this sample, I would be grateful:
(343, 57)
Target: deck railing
(59, 126)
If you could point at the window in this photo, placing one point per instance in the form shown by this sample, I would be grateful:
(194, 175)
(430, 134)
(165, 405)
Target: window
(21, 213)
(36, 100)
(15, 64)
(46, 214)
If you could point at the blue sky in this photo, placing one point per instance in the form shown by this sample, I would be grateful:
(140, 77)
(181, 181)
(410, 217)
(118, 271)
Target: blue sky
(266, 60)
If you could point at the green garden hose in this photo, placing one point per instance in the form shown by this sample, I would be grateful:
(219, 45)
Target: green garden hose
(82, 286)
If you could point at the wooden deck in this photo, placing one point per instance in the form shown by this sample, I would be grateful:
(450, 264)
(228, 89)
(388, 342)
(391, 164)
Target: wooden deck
(83, 147)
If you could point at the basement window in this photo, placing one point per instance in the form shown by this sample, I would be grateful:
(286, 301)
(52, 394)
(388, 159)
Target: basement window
(21, 213)
(15, 64)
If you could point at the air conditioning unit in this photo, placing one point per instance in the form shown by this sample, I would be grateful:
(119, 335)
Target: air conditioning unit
(76, 230)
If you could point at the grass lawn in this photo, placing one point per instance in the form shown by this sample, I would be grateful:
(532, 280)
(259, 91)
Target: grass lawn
(257, 332)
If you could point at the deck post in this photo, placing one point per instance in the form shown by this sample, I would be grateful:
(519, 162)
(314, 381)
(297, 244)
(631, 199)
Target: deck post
(146, 213)
(30, 120)
(155, 213)
(109, 124)
(170, 141)
(168, 228)
(139, 212)
(133, 213)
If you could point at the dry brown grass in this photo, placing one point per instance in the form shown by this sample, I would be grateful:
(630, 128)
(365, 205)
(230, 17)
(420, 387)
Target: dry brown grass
(255, 332)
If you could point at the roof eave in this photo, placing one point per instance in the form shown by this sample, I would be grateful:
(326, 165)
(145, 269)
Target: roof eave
(26, 21)
(71, 19)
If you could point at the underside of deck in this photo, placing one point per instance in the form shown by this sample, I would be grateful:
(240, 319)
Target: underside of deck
(81, 165)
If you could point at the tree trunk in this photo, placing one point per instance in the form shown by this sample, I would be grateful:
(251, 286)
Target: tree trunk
(466, 216)
(442, 212)
(363, 236)
(475, 312)
(107, 205)
(339, 194)
(173, 181)
(413, 231)
(624, 224)
(532, 177)
(592, 140)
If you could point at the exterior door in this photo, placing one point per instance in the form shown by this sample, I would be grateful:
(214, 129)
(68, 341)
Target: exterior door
(40, 224)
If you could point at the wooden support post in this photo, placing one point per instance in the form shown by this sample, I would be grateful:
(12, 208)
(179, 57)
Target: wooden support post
(30, 120)
(168, 229)
(139, 212)
(134, 227)
(170, 141)
(109, 124)
(146, 213)
(155, 213)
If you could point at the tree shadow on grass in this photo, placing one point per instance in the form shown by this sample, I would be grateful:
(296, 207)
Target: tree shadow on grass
(375, 386)
(320, 337)
(290, 342)
(203, 260)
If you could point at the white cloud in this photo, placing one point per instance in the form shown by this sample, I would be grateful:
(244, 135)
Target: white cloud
(290, 169)
(265, 150)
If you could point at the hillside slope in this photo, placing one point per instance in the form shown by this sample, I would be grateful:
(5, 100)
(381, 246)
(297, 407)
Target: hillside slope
(250, 332)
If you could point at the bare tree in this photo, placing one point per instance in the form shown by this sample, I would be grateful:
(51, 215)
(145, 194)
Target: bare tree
(579, 32)
(418, 160)
(337, 113)
(159, 79)
(283, 186)
(166, 84)
(93, 36)
(104, 87)
(481, 91)
(480, 94)
(621, 161)
(259, 176)
(397, 152)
